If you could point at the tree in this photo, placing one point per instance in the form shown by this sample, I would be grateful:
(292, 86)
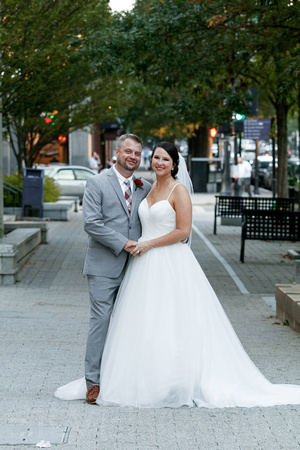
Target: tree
(170, 49)
(48, 66)
(210, 53)
(269, 35)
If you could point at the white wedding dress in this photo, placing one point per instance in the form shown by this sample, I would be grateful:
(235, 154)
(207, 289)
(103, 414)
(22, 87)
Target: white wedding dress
(170, 342)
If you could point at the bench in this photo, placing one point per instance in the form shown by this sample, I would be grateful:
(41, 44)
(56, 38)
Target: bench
(231, 208)
(42, 225)
(14, 250)
(288, 304)
(59, 210)
(75, 198)
(269, 225)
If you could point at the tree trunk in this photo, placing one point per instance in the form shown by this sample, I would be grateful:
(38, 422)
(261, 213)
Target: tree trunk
(282, 176)
(298, 185)
(199, 143)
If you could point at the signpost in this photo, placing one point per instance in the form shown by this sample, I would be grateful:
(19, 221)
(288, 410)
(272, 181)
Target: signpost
(257, 129)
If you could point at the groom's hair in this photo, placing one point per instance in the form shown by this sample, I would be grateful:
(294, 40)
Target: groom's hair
(133, 137)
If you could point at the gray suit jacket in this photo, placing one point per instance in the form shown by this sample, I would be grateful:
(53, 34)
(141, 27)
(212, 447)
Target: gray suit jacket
(108, 223)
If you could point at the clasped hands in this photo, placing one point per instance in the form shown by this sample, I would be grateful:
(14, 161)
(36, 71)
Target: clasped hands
(137, 248)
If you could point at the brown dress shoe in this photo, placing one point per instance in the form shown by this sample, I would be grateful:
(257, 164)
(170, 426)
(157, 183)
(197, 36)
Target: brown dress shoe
(92, 393)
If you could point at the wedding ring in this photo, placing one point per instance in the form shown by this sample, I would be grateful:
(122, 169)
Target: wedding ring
(138, 251)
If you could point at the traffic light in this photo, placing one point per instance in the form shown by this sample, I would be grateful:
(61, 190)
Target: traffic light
(225, 129)
(239, 117)
(213, 132)
(252, 104)
(50, 118)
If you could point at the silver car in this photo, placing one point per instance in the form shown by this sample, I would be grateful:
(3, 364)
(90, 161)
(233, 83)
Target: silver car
(70, 179)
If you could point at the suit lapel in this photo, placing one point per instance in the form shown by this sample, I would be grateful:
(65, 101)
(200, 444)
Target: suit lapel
(137, 193)
(113, 179)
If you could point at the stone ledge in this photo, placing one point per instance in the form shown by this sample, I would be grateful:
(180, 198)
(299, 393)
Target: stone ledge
(54, 211)
(293, 254)
(288, 304)
(43, 226)
(59, 210)
(74, 198)
(14, 249)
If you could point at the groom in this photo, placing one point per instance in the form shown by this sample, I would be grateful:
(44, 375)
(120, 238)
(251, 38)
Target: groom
(110, 216)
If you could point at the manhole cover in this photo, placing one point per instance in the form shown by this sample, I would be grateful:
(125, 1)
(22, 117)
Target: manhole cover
(16, 435)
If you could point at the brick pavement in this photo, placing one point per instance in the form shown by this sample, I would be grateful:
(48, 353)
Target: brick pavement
(44, 323)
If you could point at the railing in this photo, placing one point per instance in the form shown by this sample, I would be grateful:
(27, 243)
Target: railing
(12, 195)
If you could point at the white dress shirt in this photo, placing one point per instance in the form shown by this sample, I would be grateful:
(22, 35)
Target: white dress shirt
(122, 179)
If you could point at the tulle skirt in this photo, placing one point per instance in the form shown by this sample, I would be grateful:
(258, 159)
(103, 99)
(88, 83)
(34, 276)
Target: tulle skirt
(171, 344)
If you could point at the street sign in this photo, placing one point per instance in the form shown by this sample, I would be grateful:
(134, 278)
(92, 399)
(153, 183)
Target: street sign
(257, 129)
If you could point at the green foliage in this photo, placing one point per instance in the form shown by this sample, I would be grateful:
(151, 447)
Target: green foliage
(293, 180)
(51, 190)
(13, 197)
(200, 58)
(48, 65)
(15, 180)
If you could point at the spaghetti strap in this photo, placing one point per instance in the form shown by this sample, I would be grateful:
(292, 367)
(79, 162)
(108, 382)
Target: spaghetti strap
(172, 190)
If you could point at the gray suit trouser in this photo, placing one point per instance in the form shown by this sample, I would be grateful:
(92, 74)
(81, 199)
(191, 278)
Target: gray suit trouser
(103, 292)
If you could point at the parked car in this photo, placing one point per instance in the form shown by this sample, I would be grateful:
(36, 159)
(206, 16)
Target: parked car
(293, 171)
(268, 176)
(70, 179)
(263, 163)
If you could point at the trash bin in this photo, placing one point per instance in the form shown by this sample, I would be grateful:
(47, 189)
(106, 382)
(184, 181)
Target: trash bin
(199, 174)
(33, 192)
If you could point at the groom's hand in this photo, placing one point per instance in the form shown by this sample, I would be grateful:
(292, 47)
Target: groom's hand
(129, 245)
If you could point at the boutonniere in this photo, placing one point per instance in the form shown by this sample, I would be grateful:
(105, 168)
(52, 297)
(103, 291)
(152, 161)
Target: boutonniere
(138, 183)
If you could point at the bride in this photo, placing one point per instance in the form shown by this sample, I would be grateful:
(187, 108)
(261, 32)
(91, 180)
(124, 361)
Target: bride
(170, 342)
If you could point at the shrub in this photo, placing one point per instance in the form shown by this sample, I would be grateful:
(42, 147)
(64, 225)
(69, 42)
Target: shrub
(51, 190)
(13, 198)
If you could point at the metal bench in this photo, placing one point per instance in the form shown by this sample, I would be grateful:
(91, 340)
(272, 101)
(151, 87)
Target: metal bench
(269, 225)
(231, 207)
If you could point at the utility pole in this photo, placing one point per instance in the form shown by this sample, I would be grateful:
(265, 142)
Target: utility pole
(226, 178)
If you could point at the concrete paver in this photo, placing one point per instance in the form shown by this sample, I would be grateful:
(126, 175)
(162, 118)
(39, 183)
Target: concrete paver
(44, 324)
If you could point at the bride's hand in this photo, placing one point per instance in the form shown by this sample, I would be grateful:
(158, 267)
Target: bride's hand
(140, 248)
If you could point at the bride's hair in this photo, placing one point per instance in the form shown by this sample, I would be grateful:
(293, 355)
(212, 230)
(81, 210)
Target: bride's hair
(172, 151)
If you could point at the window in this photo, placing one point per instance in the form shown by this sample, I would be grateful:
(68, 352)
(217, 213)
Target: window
(64, 174)
(82, 174)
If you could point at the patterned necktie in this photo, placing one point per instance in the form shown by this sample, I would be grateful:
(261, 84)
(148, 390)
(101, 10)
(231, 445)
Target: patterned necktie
(128, 195)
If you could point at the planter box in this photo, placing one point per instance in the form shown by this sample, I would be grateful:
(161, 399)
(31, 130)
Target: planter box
(54, 211)
(288, 304)
(24, 224)
(14, 250)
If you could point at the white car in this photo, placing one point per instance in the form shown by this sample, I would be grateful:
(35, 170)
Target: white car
(70, 179)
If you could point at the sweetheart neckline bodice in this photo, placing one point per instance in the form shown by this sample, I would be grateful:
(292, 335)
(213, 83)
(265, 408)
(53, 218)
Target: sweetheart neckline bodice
(160, 201)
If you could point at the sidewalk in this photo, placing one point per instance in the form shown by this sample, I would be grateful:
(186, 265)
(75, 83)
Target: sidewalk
(44, 323)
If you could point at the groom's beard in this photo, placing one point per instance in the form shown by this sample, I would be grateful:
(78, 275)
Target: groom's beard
(130, 167)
